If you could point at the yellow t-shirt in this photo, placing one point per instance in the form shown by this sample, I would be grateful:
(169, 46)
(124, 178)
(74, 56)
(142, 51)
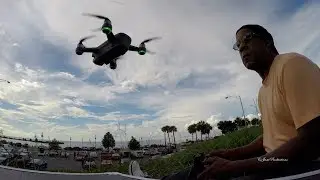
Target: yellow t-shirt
(289, 98)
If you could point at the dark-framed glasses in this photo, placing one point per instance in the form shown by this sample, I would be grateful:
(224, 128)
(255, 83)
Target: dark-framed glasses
(245, 39)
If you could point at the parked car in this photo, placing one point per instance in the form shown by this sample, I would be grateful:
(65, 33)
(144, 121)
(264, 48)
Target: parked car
(89, 163)
(64, 154)
(37, 164)
(81, 155)
(3, 160)
(93, 154)
(53, 153)
(137, 154)
(115, 156)
(41, 152)
(106, 158)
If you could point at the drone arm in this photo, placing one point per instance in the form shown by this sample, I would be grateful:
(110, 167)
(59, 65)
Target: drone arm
(90, 50)
(111, 37)
(133, 48)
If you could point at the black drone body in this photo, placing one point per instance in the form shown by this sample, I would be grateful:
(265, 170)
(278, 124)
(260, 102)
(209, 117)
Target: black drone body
(114, 47)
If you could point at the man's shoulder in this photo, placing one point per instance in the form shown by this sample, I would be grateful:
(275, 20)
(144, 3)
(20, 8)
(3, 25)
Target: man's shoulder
(292, 59)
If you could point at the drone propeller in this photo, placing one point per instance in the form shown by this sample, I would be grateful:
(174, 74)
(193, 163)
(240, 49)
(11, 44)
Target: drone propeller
(95, 15)
(106, 27)
(142, 46)
(86, 38)
(150, 39)
(150, 52)
(96, 30)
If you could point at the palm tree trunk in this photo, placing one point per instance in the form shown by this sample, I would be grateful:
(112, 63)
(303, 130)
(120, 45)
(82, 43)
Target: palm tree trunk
(174, 138)
(196, 136)
(165, 139)
(192, 136)
(169, 138)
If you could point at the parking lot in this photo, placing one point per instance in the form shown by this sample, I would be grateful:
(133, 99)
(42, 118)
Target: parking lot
(61, 163)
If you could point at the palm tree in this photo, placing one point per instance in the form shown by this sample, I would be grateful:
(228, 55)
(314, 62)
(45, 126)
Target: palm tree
(192, 129)
(207, 129)
(173, 129)
(168, 130)
(201, 127)
(164, 130)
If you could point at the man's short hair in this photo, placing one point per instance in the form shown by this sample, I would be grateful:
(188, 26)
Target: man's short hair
(261, 31)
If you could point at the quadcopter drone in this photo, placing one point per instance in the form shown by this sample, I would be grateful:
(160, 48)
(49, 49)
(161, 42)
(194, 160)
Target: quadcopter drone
(111, 50)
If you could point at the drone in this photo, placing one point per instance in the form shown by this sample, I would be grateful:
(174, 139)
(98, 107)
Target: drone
(113, 48)
(3, 80)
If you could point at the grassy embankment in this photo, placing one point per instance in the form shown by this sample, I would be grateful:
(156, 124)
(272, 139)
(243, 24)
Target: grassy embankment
(179, 161)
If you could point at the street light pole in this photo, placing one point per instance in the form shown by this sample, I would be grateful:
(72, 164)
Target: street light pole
(239, 97)
(244, 116)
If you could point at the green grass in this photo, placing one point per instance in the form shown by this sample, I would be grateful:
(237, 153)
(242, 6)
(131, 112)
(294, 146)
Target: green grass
(181, 160)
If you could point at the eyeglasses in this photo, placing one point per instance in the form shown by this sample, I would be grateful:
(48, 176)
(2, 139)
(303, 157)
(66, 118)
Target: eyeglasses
(245, 39)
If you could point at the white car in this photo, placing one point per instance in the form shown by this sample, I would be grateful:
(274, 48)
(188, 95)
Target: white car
(106, 162)
(53, 153)
(93, 154)
(64, 154)
(41, 154)
(89, 163)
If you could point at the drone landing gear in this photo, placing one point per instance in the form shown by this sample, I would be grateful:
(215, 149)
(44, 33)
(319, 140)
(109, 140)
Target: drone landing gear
(113, 65)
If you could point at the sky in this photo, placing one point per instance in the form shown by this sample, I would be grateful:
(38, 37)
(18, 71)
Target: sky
(64, 95)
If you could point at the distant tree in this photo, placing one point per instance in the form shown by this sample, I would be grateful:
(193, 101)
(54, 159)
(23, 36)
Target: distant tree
(173, 129)
(26, 145)
(168, 130)
(201, 125)
(54, 145)
(247, 122)
(133, 144)
(108, 141)
(164, 130)
(18, 144)
(192, 129)
(255, 121)
(239, 122)
(207, 128)
(227, 126)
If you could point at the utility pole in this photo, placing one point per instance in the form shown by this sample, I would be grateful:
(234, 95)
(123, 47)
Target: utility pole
(95, 141)
(82, 143)
(239, 97)
(70, 141)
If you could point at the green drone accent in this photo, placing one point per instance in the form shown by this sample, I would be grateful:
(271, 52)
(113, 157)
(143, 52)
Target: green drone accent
(142, 52)
(106, 30)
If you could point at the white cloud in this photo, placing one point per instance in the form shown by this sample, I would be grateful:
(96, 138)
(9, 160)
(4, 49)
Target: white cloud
(186, 81)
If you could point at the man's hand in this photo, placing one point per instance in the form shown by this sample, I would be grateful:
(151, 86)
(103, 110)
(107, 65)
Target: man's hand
(216, 167)
(217, 153)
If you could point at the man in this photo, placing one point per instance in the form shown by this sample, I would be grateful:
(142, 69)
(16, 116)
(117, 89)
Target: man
(289, 101)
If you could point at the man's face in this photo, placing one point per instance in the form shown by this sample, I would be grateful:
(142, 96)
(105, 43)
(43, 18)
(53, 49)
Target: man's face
(251, 49)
